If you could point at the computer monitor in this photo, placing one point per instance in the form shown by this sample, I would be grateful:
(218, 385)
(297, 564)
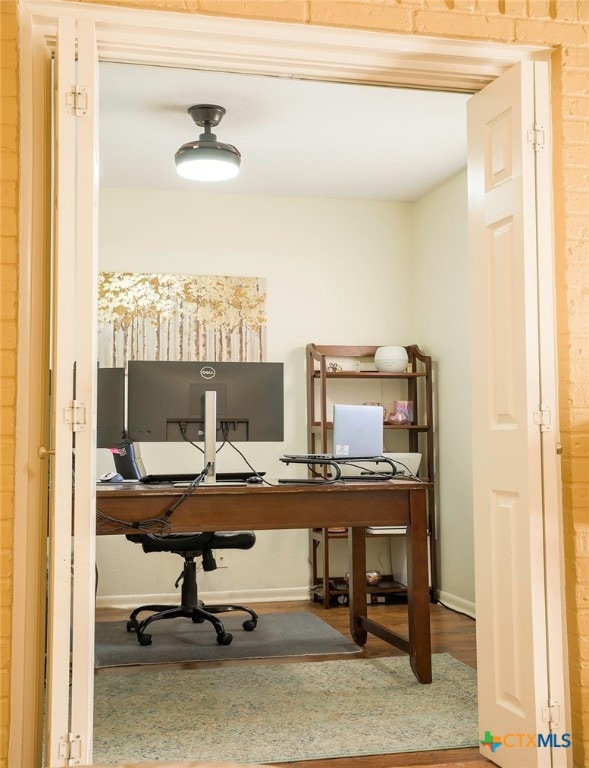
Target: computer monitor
(110, 407)
(166, 402)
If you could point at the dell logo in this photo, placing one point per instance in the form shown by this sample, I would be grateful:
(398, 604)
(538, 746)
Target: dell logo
(208, 372)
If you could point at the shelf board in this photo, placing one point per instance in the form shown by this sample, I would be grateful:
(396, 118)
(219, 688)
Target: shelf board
(370, 375)
(316, 426)
(333, 534)
(388, 585)
(318, 535)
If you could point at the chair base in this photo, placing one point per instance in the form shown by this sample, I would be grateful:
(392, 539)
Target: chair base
(197, 614)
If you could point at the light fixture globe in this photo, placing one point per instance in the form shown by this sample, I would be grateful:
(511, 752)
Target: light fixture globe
(207, 159)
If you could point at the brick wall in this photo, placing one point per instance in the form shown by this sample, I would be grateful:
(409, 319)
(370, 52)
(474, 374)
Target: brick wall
(561, 23)
(8, 306)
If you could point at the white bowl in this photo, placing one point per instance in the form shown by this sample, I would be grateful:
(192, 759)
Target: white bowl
(391, 359)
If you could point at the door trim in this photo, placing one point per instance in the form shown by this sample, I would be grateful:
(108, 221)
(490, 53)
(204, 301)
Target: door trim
(180, 40)
(287, 49)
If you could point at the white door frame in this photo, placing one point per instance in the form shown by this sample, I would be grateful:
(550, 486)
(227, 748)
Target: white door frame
(186, 40)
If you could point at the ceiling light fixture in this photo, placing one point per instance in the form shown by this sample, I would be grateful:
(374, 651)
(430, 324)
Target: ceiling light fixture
(207, 159)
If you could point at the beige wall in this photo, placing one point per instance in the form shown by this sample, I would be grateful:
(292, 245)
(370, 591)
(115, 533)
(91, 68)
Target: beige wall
(561, 23)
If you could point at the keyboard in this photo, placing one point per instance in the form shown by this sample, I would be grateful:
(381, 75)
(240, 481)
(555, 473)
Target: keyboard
(238, 477)
(320, 457)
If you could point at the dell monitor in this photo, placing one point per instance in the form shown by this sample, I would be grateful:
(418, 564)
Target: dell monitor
(110, 407)
(205, 402)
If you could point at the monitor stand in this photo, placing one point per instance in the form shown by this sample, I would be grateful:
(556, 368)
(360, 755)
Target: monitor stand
(210, 412)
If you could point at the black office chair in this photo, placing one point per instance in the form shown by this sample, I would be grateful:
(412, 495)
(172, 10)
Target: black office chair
(191, 546)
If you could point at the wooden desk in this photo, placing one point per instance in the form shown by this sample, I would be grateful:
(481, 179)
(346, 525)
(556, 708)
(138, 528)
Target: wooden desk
(354, 506)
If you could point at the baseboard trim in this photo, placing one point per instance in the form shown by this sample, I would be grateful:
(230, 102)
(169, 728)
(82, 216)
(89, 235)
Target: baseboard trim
(245, 597)
(456, 603)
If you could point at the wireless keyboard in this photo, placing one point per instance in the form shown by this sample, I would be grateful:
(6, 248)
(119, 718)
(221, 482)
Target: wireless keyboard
(242, 477)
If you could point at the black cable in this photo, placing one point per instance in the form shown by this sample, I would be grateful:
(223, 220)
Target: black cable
(158, 525)
(182, 426)
(408, 476)
(108, 524)
(255, 471)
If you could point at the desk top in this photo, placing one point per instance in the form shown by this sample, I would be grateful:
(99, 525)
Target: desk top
(266, 507)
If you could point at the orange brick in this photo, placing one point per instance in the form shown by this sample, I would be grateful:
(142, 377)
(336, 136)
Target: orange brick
(515, 7)
(576, 179)
(362, 15)
(9, 162)
(9, 224)
(574, 55)
(582, 622)
(576, 105)
(581, 595)
(540, 9)
(577, 203)
(7, 306)
(8, 250)
(576, 132)
(9, 194)
(580, 495)
(577, 228)
(580, 447)
(582, 572)
(575, 81)
(466, 5)
(536, 32)
(284, 10)
(8, 341)
(9, 82)
(477, 27)
(567, 10)
(8, 24)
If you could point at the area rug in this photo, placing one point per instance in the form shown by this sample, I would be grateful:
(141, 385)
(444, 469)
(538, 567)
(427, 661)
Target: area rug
(269, 713)
(179, 640)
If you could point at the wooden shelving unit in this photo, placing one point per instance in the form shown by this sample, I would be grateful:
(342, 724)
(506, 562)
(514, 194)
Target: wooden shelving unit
(357, 365)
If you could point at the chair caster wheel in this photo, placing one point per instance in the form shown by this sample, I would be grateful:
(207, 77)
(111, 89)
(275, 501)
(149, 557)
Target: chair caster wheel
(144, 639)
(197, 620)
(132, 626)
(250, 625)
(224, 638)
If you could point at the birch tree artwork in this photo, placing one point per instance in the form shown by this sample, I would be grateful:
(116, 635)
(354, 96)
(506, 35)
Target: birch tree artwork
(180, 317)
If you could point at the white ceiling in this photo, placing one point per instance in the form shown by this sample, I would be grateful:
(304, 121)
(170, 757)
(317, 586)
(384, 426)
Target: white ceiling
(298, 138)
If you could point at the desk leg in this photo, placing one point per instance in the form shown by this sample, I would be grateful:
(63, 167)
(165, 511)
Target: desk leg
(418, 589)
(357, 583)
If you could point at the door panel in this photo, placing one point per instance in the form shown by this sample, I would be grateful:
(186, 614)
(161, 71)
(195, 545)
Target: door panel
(62, 394)
(70, 654)
(507, 438)
(84, 540)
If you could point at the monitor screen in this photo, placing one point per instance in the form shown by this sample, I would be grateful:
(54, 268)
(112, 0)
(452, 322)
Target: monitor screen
(110, 407)
(166, 400)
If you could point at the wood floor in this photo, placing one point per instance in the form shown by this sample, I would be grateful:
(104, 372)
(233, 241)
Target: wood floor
(451, 633)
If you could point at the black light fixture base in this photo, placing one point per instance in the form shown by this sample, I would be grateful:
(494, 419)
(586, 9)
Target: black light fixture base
(206, 114)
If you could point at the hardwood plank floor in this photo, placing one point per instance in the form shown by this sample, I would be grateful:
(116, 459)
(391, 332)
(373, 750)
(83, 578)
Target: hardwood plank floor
(451, 633)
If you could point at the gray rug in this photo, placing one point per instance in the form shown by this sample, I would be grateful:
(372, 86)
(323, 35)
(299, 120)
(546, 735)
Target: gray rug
(273, 713)
(179, 640)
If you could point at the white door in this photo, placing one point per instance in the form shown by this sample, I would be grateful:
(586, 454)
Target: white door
(521, 707)
(70, 644)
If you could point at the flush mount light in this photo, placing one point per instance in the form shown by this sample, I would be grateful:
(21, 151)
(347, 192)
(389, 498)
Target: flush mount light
(207, 159)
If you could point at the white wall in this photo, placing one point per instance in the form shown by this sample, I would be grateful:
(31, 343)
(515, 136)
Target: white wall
(442, 323)
(337, 271)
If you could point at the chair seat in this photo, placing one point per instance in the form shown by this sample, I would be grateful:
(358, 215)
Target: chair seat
(194, 542)
(190, 546)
